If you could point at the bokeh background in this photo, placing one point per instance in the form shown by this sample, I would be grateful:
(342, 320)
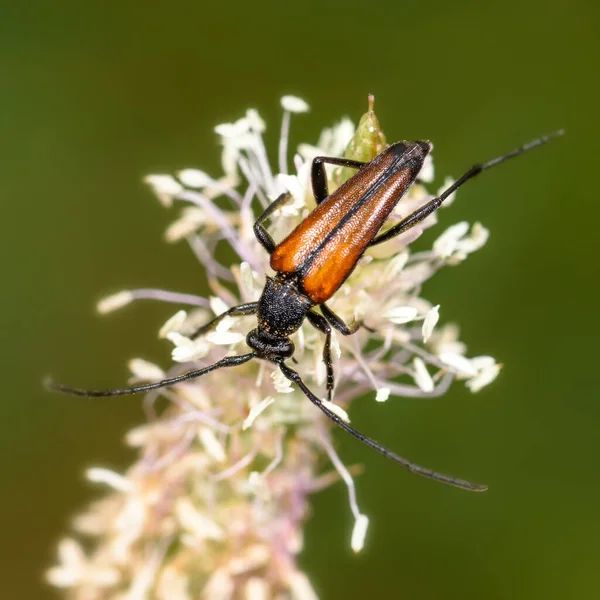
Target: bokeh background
(95, 95)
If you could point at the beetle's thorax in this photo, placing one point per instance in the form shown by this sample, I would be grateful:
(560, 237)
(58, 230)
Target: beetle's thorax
(282, 307)
(281, 311)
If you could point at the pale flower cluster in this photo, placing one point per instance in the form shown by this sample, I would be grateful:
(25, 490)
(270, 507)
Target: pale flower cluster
(216, 504)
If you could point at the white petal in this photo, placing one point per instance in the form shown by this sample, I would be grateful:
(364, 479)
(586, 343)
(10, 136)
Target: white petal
(427, 172)
(255, 120)
(431, 319)
(114, 302)
(382, 394)
(220, 586)
(301, 587)
(217, 305)
(256, 410)
(395, 266)
(478, 238)
(446, 244)
(225, 324)
(231, 131)
(483, 362)
(211, 444)
(186, 349)
(485, 377)
(291, 184)
(321, 373)
(195, 522)
(194, 178)
(294, 104)
(401, 314)
(165, 187)
(282, 384)
(422, 377)
(257, 588)
(359, 533)
(70, 552)
(109, 478)
(147, 371)
(337, 410)
(224, 338)
(341, 134)
(173, 324)
(460, 363)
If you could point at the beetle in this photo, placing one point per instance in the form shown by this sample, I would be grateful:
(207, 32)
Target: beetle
(315, 259)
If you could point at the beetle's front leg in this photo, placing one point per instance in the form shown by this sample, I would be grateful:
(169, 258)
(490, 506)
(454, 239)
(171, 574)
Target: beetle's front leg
(320, 323)
(337, 322)
(249, 308)
(262, 235)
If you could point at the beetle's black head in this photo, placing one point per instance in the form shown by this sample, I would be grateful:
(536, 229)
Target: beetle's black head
(269, 346)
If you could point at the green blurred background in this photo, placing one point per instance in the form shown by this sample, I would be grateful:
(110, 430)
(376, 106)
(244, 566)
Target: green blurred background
(95, 95)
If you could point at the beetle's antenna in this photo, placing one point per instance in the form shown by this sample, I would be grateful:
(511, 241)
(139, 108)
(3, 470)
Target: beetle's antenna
(459, 483)
(228, 361)
(424, 211)
(476, 169)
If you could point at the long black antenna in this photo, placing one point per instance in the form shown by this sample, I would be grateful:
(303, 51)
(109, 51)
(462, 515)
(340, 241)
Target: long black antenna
(228, 361)
(459, 483)
(431, 206)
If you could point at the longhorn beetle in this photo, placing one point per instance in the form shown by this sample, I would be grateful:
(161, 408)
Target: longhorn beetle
(313, 261)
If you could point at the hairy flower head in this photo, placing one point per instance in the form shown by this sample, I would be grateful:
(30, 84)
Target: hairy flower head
(215, 505)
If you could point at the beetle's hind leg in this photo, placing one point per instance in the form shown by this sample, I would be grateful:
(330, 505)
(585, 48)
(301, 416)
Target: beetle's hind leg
(319, 176)
(249, 308)
(320, 323)
(262, 235)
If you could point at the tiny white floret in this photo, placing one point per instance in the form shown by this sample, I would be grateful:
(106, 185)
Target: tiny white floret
(256, 410)
(485, 377)
(294, 104)
(382, 394)
(422, 377)
(431, 319)
(459, 363)
(224, 338)
(359, 533)
(217, 305)
(114, 302)
(165, 187)
(282, 384)
(194, 178)
(145, 370)
(173, 324)
(401, 314)
(109, 478)
(211, 444)
(447, 243)
(337, 410)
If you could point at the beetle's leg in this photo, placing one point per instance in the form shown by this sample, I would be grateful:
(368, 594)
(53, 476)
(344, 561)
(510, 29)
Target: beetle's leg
(337, 322)
(249, 308)
(294, 376)
(319, 322)
(319, 177)
(262, 235)
(433, 205)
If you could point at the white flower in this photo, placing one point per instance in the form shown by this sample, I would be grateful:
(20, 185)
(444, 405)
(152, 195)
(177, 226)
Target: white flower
(205, 507)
